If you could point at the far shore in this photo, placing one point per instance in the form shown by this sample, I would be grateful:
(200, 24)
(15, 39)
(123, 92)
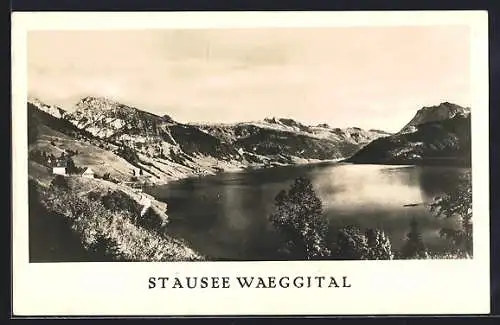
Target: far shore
(445, 162)
(310, 162)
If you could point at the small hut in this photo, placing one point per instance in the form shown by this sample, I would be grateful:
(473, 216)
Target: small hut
(59, 170)
(59, 167)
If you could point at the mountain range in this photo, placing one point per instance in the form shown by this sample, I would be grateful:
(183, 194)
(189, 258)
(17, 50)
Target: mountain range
(115, 138)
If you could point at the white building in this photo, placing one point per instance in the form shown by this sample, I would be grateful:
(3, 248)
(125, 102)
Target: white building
(58, 170)
(89, 173)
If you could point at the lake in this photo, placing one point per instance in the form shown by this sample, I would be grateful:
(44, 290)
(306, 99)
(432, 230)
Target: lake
(225, 216)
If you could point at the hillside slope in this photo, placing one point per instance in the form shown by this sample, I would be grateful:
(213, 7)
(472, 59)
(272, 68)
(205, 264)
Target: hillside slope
(91, 220)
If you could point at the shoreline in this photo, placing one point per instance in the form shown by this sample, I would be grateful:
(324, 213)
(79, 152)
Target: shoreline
(440, 163)
(242, 170)
(246, 169)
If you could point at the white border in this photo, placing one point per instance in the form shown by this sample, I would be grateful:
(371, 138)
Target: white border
(378, 287)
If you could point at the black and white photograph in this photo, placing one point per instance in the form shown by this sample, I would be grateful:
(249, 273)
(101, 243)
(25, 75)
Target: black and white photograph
(252, 144)
(284, 163)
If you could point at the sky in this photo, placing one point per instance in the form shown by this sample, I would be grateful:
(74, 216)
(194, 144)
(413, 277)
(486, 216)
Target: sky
(369, 77)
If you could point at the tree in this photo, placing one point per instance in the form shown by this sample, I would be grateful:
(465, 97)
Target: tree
(457, 203)
(414, 247)
(298, 217)
(351, 244)
(379, 245)
(70, 166)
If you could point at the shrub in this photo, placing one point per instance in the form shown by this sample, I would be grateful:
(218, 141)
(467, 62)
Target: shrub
(118, 200)
(94, 195)
(59, 181)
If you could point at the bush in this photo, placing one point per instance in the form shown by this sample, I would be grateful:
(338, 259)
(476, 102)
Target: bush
(103, 247)
(94, 195)
(59, 181)
(118, 200)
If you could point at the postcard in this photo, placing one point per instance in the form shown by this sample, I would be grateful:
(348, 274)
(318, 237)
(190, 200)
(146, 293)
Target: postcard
(250, 163)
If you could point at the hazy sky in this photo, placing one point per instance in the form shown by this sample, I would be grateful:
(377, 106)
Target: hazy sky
(366, 77)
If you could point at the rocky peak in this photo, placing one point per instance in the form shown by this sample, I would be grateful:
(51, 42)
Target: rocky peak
(100, 104)
(271, 120)
(168, 118)
(443, 111)
(49, 109)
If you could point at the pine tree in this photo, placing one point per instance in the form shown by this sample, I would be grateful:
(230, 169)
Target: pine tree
(414, 247)
(379, 245)
(70, 166)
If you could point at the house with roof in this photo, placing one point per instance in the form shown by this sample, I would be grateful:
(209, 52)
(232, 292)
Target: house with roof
(59, 167)
(88, 173)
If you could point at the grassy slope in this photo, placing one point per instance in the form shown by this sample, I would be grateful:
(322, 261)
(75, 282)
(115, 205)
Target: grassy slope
(89, 155)
(75, 223)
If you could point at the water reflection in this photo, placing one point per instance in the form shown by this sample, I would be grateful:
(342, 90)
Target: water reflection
(225, 216)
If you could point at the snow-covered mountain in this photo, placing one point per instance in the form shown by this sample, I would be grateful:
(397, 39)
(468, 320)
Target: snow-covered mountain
(157, 143)
(114, 121)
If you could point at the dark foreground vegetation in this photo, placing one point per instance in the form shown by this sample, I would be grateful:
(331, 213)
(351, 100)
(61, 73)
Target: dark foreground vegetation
(306, 235)
(94, 225)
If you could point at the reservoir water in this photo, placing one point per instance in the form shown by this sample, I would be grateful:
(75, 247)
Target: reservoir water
(225, 216)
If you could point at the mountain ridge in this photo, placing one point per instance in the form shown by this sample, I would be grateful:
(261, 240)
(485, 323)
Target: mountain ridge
(158, 144)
